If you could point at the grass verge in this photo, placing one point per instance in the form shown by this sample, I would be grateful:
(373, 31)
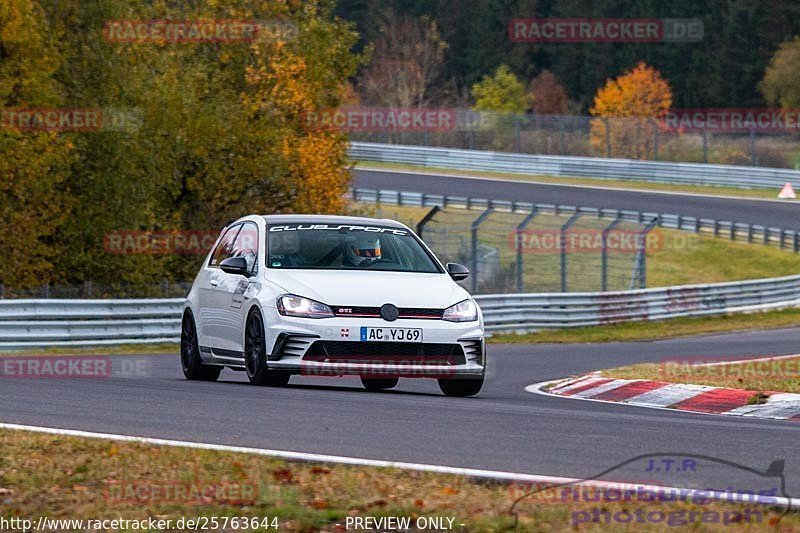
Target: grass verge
(780, 375)
(661, 329)
(69, 477)
(118, 349)
(754, 194)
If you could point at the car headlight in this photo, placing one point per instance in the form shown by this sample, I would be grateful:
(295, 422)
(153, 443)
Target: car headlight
(292, 305)
(466, 311)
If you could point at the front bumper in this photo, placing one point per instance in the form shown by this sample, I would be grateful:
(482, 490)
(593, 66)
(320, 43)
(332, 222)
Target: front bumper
(332, 347)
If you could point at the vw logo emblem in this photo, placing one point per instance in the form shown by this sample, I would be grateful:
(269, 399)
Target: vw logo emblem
(389, 312)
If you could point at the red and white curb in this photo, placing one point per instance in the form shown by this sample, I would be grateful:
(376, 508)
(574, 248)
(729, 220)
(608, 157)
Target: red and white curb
(674, 396)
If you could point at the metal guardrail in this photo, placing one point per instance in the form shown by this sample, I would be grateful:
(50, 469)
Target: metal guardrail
(735, 231)
(77, 323)
(527, 312)
(581, 167)
(74, 323)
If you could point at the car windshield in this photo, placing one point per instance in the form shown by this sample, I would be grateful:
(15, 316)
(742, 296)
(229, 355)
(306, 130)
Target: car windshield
(347, 247)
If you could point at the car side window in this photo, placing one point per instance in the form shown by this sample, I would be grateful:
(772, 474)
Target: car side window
(246, 245)
(224, 248)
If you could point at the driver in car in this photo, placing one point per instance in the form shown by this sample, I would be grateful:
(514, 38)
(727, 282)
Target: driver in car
(363, 250)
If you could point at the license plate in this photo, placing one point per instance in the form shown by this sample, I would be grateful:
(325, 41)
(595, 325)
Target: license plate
(391, 334)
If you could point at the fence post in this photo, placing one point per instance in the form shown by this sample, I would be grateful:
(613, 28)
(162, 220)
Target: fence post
(753, 156)
(474, 251)
(641, 259)
(705, 145)
(517, 135)
(608, 137)
(518, 245)
(427, 218)
(604, 258)
(655, 140)
(563, 246)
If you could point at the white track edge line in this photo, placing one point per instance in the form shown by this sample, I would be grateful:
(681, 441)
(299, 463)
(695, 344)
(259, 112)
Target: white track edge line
(780, 501)
(576, 186)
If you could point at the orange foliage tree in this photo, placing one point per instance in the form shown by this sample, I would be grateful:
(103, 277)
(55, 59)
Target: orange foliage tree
(287, 82)
(627, 109)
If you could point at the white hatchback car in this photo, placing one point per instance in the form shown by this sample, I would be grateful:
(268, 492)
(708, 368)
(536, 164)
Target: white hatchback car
(331, 296)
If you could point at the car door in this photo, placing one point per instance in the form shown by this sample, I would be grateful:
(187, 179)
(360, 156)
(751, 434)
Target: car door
(211, 303)
(234, 289)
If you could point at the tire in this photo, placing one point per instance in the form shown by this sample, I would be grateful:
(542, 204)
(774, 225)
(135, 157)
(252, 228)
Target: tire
(461, 387)
(378, 384)
(192, 365)
(255, 354)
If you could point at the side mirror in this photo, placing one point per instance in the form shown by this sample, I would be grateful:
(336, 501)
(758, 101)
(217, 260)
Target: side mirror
(235, 265)
(457, 272)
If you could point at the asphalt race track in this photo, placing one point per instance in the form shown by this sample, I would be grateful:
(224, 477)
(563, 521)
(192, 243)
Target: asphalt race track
(772, 213)
(505, 428)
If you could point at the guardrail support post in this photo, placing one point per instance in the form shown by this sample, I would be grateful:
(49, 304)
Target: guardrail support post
(563, 245)
(518, 246)
(427, 218)
(604, 258)
(474, 259)
(795, 246)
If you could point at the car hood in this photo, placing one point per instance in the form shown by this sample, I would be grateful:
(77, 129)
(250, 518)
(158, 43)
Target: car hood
(368, 289)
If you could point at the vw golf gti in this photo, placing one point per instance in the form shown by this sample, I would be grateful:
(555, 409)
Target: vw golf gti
(283, 295)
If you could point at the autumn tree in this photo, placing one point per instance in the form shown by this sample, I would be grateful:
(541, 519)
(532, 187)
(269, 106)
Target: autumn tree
(781, 83)
(545, 96)
(501, 93)
(34, 165)
(627, 109)
(406, 58)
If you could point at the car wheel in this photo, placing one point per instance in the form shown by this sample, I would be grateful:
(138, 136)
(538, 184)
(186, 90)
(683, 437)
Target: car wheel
(378, 384)
(255, 355)
(193, 367)
(461, 386)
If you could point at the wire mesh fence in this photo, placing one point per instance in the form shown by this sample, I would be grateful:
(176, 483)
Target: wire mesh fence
(516, 252)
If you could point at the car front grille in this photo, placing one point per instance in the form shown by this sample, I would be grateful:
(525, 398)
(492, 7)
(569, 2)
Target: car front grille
(393, 353)
(421, 313)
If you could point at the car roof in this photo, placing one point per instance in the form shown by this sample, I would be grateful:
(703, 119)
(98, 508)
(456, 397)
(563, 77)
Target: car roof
(330, 219)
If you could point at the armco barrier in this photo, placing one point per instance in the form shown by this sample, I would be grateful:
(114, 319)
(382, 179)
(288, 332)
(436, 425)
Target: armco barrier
(73, 323)
(582, 167)
(530, 312)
